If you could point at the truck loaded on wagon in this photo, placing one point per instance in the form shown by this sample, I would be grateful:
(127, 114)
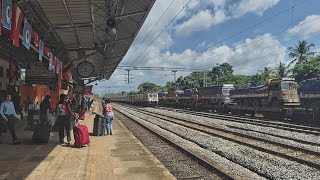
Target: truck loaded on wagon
(271, 99)
(309, 93)
(214, 97)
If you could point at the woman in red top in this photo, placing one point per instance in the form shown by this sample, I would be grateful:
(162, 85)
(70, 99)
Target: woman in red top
(109, 116)
(63, 111)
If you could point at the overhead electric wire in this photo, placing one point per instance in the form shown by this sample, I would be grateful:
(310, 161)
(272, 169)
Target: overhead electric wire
(242, 61)
(250, 27)
(192, 65)
(230, 37)
(267, 47)
(161, 32)
(151, 30)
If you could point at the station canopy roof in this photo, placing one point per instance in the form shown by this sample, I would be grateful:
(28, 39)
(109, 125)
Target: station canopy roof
(75, 30)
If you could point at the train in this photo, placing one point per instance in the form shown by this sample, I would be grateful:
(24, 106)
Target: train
(142, 99)
(277, 99)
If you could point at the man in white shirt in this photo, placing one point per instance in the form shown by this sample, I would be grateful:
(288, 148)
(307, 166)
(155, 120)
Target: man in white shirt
(9, 114)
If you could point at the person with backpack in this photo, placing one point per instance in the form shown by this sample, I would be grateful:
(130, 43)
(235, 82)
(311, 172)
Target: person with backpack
(63, 111)
(108, 114)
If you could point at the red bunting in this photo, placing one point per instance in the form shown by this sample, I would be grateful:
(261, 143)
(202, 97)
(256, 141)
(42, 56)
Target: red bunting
(54, 63)
(35, 37)
(46, 51)
(17, 18)
(67, 72)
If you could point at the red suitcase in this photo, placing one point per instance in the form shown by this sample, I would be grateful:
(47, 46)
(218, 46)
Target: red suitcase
(81, 135)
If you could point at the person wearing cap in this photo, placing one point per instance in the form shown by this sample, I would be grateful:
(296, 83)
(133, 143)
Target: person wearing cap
(8, 113)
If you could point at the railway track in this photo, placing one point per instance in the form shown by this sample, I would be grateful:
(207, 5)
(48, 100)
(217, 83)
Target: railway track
(292, 153)
(181, 160)
(253, 121)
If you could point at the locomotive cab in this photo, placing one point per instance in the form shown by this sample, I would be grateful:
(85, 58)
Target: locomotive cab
(283, 92)
(225, 94)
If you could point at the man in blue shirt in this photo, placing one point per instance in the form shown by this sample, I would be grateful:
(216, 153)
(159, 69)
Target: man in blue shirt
(9, 114)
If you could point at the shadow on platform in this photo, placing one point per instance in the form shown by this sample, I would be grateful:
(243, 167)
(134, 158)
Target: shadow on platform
(18, 161)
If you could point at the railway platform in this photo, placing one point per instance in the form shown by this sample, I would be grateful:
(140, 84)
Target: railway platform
(120, 156)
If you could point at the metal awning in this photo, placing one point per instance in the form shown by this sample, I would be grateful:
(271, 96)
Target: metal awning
(75, 29)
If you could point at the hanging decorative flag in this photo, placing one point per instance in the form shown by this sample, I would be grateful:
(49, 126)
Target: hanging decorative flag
(46, 51)
(41, 46)
(54, 61)
(17, 18)
(50, 61)
(60, 75)
(6, 13)
(35, 38)
(67, 72)
(27, 29)
(58, 66)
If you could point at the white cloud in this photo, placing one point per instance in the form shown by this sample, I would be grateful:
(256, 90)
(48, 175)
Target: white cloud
(204, 13)
(211, 12)
(201, 21)
(252, 6)
(247, 57)
(307, 26)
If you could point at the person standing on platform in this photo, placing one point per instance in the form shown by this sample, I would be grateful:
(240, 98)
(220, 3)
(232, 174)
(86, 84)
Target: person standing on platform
(63, 111)
(45, 109)
(109, 115)
(9, 114)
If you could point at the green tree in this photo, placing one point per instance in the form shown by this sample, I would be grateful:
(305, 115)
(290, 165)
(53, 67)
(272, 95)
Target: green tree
(149, 87)
(220, 73)
(266, 74)
(307, 70)
(281, 70)
(301, 52)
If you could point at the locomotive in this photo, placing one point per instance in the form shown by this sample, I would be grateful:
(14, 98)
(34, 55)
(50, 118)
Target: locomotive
(277, 99)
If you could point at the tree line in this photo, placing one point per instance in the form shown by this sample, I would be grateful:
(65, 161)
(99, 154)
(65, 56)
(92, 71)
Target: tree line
(304, 64)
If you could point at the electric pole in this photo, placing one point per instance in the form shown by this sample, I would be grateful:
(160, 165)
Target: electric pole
(174, 77)
(205, 79)
(128, 71)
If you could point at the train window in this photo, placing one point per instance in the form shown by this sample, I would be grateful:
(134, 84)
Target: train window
(289, 86)
(275, 87)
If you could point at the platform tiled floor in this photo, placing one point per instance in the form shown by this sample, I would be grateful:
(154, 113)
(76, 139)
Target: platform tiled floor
(120, 156)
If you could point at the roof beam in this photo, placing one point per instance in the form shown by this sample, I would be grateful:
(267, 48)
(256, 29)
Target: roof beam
(86, 56)
(131, 14)
(68, 26)
(71, 21)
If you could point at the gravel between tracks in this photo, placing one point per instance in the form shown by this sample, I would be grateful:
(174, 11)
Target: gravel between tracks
(235, 168)
(225, 125)
(269, 165)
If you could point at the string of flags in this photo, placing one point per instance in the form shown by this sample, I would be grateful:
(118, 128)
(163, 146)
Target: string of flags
(11, 19)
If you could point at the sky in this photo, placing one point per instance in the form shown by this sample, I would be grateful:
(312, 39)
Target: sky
(199, 34)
